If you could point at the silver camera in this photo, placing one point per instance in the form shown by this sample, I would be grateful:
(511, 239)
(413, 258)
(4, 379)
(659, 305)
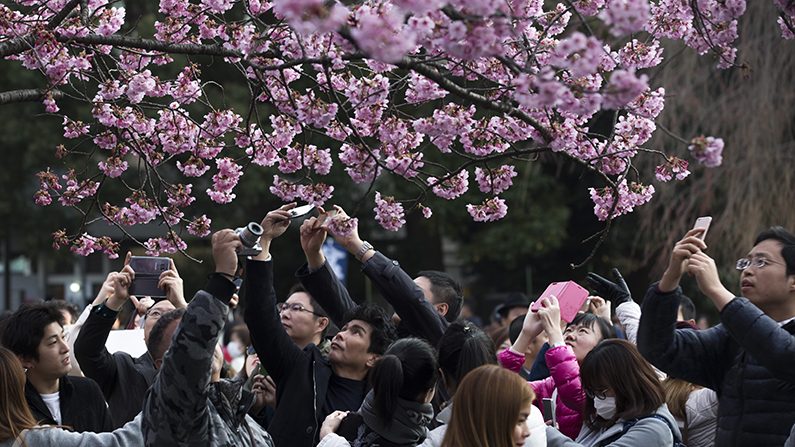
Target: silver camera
(249, 237)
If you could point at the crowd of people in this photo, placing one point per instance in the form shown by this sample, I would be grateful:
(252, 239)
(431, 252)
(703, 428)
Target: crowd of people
(619, 373)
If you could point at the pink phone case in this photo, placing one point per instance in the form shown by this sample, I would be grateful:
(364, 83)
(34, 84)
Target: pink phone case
(570, 296)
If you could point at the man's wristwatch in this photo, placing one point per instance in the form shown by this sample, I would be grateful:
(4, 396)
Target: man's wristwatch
(366, 246)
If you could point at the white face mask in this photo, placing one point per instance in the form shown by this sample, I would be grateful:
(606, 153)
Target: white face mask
(605, 408)
(235, 349)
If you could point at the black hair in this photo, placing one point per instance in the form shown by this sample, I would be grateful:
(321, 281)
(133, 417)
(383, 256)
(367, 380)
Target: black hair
(62, 305)
(384, 332)
(24, 329)
(590, 320)
(687, 307)
(462, 348)
(515, 328)
(445, 290)
(787, 241)
(156, 345)
(316, 307)
(407, 370)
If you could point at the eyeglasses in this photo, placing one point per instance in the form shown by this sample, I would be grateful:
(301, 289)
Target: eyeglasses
(758, 263)
(250, 351)
(596, 395)
(295, 307)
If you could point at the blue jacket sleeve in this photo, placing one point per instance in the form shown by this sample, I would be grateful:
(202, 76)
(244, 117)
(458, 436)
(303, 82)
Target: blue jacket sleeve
(770, 344)
(417, 315)
(700, 357)
(276, 350)
(327, 290)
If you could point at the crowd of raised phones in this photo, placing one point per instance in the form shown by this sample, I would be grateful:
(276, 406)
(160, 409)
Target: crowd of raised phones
(262, 370)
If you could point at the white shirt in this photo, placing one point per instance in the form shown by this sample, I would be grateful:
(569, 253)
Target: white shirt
(53, 402)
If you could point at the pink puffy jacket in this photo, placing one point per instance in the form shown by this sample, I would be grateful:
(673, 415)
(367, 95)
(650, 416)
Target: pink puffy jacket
(565, 376)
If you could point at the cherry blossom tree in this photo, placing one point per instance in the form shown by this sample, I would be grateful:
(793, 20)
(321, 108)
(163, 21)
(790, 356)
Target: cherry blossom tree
(484, 84)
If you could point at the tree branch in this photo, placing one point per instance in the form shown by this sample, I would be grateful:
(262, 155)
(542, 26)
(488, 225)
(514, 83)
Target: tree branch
(152, 45)
(30, 94)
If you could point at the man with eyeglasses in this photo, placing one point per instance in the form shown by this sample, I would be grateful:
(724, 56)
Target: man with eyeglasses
(122, 378)
(309, 386)
(749, 359)
(304, 320)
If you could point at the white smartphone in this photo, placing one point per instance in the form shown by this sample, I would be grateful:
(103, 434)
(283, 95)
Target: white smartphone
(302, 210)
(703, 222)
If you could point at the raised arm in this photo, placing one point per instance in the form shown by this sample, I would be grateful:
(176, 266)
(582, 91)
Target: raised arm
(276, 350)
(89, 347)
(175, 409)
(416, 313)
(316, 275)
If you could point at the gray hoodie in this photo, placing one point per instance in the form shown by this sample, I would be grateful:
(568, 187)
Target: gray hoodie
(128, 435)
(647, 432)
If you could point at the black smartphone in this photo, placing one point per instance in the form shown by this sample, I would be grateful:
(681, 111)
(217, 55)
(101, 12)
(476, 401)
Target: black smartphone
(147, 274)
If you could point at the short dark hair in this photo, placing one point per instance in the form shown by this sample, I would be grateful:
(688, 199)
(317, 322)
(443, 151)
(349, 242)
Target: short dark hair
(316, 307)
(62, 305)
(446, 290)
(617, 364)
(408, 370)
(24, 329)
(157, 346)
(462, 348)
(384, 332)
(515, 328)
(590, 320)
(787, 241)
(687, 307)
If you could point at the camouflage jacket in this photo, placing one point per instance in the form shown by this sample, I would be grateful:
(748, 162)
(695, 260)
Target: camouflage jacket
(182, 407)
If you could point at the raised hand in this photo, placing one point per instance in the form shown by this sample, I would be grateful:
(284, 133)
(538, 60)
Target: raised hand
(312, 237)
(599, 307)
(225, 246)
(275, 223)
(686, 247)
(703, 268)
(121, 283)
(616, 292)
(171, 282)
(549, 316)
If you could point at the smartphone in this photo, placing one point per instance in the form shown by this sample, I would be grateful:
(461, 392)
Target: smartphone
(703, 222)
(302, 210)
(549, 410)
(570, 295)
(147, 274)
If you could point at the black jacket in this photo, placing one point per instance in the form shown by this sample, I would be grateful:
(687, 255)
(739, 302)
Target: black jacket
(301, 376)
(82, 406)
(748, 359)
(122, 378)
(418, 317)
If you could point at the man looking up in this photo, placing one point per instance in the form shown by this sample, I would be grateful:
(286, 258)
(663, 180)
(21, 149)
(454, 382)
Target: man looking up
(749, 359)
(309, 387)
(122, 378)
(34, 333)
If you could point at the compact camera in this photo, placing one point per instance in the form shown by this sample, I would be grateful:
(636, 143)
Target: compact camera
(249, 237)
(147, 276)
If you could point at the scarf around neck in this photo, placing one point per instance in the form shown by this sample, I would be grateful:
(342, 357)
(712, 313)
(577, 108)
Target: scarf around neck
(408, 424)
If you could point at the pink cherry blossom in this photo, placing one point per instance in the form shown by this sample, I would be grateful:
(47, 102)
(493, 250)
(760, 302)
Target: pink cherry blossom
(490, 210)
(389, 213)
(707, 150)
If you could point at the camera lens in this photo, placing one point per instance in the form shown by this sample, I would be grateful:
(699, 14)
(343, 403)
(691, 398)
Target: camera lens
(251, 234)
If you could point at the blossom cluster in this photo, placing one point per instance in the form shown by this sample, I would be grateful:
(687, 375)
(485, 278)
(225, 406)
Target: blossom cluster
(425, 91)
